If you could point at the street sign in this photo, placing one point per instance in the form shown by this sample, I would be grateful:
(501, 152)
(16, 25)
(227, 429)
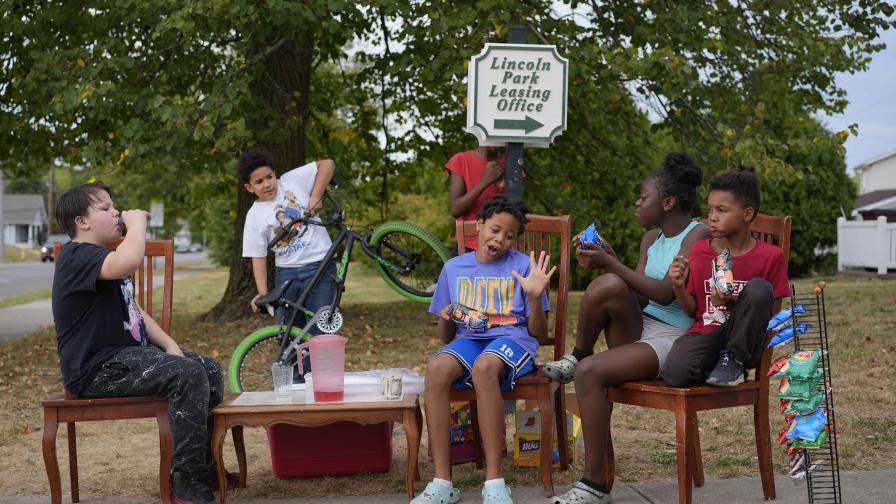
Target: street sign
(156, 214)
(517, 93)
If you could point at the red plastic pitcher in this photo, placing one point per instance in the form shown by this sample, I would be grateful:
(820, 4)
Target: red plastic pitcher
(327, 364)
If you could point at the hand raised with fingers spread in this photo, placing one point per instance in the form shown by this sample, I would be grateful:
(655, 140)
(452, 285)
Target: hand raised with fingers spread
(539, 274)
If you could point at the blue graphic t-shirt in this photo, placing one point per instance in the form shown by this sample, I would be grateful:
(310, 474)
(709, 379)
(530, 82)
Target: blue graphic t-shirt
(490, 288)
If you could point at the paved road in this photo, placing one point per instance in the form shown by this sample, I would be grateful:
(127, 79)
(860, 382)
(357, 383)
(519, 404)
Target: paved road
(20, 277)
(21, 320)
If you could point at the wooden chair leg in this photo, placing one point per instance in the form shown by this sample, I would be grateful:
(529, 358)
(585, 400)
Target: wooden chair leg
(237, 433)
(474, 421)
(48, 443)
(764, 447)
(683, 419)
(560, 417)
(546, 412)
(695, 457)
(610, 463)
(73, 460)
(166, 452)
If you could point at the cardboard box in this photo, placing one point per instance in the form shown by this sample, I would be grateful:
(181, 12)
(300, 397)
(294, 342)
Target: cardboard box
(463, 447)
(527, 439)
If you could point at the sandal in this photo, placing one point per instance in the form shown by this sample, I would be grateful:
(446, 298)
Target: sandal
(562, 370)
(581, 493)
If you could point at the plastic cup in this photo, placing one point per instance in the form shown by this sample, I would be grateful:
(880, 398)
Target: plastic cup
(282, 377)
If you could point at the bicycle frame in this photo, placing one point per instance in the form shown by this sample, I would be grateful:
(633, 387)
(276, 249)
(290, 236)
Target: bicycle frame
(348, 237)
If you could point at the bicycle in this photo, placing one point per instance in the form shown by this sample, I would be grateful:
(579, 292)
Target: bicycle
(406, 256)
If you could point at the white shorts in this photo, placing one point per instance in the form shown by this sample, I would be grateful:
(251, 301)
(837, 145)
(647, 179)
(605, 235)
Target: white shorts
(660, 336)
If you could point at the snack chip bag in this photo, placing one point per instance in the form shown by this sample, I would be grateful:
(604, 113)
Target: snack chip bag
(590, 234)
(722, 276)
(808, 427)
(802, 364)
(794, 388)
(473, 321)
(777, 364)
(816, 443)
(787, 332)
(802, 406)
(784, 315)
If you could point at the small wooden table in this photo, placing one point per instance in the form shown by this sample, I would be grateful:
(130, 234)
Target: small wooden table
(406, 411)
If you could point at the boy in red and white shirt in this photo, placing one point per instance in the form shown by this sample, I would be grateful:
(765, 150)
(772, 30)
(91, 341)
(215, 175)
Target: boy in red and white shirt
(728, 334)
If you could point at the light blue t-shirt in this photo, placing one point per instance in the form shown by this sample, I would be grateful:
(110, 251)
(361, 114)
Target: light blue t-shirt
(489, 288)
(659, 257)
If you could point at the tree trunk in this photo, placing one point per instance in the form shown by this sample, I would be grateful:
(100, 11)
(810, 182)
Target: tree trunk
(280, 86)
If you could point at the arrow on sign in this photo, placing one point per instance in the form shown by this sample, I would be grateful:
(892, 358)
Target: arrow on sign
(528, 124)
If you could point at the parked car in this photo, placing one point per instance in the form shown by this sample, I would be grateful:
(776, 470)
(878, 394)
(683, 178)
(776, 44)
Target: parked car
(46, 252)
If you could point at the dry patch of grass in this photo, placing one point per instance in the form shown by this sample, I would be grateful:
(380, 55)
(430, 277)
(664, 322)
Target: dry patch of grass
(389, 332)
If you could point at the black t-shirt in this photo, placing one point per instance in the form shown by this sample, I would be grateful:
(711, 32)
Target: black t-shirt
(92, 315)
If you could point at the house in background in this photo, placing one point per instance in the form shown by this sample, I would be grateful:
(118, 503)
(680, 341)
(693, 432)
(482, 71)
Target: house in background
(869, 242)
(24, 219)
(877, 188)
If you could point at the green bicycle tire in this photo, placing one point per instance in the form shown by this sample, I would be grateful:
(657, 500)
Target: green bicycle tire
(425, 238)
(245, 347)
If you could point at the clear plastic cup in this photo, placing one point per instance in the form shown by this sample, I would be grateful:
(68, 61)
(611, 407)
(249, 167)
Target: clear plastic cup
(282, 377)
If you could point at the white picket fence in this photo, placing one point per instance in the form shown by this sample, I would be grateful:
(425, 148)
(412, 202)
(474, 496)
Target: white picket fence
(866, 244)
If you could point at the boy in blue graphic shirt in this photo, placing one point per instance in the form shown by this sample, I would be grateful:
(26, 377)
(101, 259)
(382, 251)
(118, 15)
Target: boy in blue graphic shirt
(509, 288)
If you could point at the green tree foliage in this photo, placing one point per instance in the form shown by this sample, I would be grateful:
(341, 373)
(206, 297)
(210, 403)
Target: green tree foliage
(161, 97)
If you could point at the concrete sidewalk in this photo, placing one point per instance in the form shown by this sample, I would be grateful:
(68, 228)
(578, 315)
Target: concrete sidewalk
(858, 487)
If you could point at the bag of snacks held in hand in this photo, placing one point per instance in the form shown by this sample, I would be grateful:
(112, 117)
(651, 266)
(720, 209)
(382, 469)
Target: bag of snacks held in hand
(473, 321)
(590, 235)
(722, 276)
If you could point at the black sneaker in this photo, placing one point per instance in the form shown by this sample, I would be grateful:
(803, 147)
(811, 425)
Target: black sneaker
(728, 371)
(190, 490)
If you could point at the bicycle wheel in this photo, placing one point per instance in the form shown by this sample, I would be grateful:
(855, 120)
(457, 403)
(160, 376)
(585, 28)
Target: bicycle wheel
(410, 258)
(250, 365)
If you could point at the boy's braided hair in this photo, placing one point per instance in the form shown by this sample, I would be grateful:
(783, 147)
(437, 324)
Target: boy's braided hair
(504, 204)
(251, 160)
(744, 185)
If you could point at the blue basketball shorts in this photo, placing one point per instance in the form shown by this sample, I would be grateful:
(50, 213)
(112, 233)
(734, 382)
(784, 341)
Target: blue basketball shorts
(467, 350)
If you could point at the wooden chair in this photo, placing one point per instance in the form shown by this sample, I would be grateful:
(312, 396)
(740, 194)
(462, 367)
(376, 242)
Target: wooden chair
(65, 407)
(687, 401)
(540, 232)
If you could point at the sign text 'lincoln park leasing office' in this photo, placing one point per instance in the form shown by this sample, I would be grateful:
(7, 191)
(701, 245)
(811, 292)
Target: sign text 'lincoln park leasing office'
(517, 93)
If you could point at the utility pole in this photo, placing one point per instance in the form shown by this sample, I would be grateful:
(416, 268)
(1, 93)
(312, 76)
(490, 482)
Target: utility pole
(51, 201)
(2, 227)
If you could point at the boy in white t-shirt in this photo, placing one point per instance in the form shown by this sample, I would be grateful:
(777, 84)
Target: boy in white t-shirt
(298, 192)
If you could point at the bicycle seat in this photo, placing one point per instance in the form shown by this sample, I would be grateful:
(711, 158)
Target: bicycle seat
(272, 296)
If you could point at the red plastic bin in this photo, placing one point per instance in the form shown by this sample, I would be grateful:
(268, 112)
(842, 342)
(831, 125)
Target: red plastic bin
(336, 449)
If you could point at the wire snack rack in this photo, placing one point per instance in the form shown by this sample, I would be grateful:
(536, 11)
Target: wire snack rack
(822, 464)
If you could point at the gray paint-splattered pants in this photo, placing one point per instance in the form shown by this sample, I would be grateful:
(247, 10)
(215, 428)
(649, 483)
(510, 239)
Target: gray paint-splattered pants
(192, 385)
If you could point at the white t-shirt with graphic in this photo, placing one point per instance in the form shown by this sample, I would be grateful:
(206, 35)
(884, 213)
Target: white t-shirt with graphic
(265, 218)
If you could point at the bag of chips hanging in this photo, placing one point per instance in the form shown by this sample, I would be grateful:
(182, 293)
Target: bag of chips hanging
(808, 427)
(802, 406)
(802, 364)
(777, 364)
(795, 388)
(816, 443)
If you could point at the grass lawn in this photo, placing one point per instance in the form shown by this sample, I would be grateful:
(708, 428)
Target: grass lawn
(385, 331)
